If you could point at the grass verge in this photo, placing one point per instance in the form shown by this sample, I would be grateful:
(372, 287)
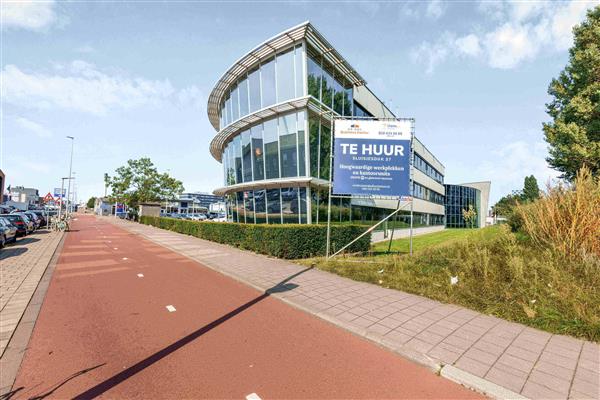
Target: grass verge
(498, 274)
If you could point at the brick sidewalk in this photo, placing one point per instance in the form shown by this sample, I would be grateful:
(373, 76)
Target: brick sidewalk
(22, 265)
(527, 362)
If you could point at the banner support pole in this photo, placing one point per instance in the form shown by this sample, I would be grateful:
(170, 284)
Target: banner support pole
(412, 185)
(328, 246)
(392, 234)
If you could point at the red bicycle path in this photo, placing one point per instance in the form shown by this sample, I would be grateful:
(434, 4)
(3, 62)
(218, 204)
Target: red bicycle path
(104, 331)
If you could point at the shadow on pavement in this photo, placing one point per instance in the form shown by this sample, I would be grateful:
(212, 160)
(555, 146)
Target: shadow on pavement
(148, 361)
(8, 252)
(51, 389)
(26, 240)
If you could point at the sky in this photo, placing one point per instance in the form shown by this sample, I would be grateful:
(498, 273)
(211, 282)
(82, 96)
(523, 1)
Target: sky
(131, 80)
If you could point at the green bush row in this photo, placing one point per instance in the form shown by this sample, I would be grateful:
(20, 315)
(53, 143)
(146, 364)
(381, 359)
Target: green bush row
(290, 241)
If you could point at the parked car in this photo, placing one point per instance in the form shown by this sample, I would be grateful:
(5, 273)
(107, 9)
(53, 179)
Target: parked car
(21, 222)
(197, 217)
(43, 215)
(8, 232)
(37, 221)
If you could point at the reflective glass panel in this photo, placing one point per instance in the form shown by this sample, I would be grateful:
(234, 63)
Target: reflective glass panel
(314, 78)
(271, 149)
(260, 206)
(257, 152)
(243, 94)
(338, 97)
(237, 156)
(246, 156)
(227, 110)
(301, 144)
(235, 105)
(289, 205)
(287, 140)
(313, 138)
(249, 206)
(348, 102)
(325, 151)
(273, 206)
(302, 198)
(299, 71)
(267, 76)
(285, 76)
(327, 89)
(254, 89)
(238, 214)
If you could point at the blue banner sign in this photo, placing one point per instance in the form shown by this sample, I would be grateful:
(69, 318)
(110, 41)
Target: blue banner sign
(57, 192)
(372, 158)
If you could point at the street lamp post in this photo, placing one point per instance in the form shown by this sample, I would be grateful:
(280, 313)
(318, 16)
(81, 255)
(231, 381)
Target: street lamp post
(70, 175)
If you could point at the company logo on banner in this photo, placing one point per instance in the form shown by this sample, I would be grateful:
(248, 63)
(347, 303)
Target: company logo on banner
(372, 157)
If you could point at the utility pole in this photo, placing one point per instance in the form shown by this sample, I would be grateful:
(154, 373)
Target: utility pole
(70, 174)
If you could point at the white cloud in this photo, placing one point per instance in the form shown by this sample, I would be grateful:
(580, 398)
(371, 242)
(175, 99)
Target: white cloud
(468, 45)
(28, 14)
(435, 9)
(431, 55)
(40, 130)
(519, 31)
(83, 87)
(86, 49)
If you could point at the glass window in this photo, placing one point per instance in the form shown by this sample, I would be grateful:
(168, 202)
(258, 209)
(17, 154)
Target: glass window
(243, 93)
(238, 214)
(327, 89)
(273, 206)
(267, 77)
(285, 76)
(348, 102)
(254, 89)
(288, 151)
(338, 97)
(260, 206)
(246, 156)
(314, 78)
(249, 206)
(271, 149)
(313, 138)
(230, 107)
(289, 205)
(257, 152)
(302, 199)
(325, 151)
(227, 109)
(237, 156)
(235, 103)
(299, 71)
(301, 144)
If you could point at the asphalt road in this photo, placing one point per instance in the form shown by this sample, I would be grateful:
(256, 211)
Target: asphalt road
(106, 331)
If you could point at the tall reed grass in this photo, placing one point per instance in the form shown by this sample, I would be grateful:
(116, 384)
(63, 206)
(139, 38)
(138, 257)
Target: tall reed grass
(566, 218)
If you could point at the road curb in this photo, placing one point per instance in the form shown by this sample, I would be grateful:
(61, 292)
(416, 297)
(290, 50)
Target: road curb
(479, 384)
(11, 360)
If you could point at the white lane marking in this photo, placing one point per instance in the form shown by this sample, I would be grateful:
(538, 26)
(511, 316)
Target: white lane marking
(253, 396)
(115, 248)
(140, 275)
(171, 308)
(125, 258)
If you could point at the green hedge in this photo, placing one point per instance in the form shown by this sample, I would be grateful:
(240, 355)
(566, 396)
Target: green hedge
(291, 241)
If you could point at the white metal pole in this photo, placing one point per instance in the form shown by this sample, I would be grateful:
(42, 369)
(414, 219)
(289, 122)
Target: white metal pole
(70, 174)
(412, 185)
(328, 247)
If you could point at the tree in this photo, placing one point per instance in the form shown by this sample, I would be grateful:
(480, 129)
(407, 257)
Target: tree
(531, 190)
(139, 181)
(91, 202)
(470, 216)
(504, 207)
(574, 133)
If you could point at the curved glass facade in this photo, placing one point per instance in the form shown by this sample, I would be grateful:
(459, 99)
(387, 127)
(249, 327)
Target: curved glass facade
(272, 81)
(275, 148)
(272, 206)
(459, 198)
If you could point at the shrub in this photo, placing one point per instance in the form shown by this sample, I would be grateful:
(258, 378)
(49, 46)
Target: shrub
(290, 241)
(567, 218)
